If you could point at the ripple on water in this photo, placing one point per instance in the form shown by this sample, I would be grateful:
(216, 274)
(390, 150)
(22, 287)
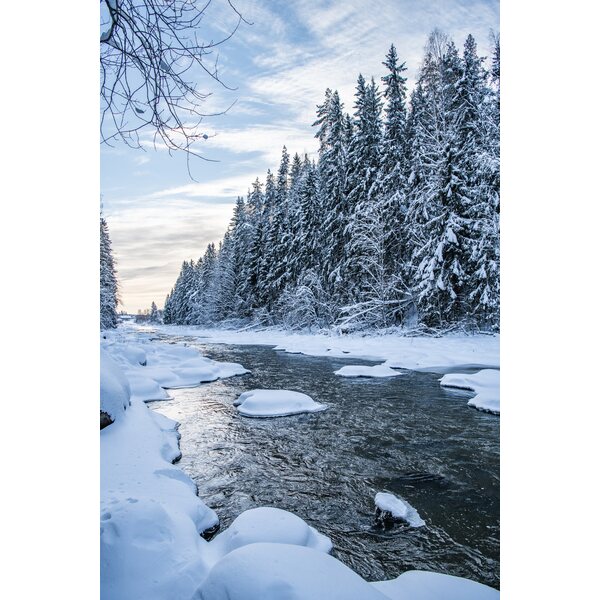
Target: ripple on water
(405, 435)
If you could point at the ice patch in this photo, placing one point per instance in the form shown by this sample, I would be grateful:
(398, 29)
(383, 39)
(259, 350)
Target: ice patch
(275, 403)
(398, 509)
(362, 371)
(486, 385)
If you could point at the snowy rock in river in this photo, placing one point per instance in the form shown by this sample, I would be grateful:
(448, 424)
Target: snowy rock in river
(275, 403)
(390, 508)
(363, 371)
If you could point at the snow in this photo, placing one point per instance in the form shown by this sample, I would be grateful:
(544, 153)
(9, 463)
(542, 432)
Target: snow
(362, 371)
(275, 403)
(265, 571)
(398, 508)
(423, 585)
(398, 351)
(267, 524)
(114, 387)
(151, 518)
(152, 366)
(485, 383)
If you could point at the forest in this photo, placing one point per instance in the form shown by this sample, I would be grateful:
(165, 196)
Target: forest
(394, 224)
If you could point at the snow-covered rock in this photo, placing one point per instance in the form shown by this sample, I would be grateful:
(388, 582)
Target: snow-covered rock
(266, 571)
(144, 388)
(391, 506)
(275, 403)
(486, 385)
(423, 585)
(267, 524)
(363, 371)
(115, 392)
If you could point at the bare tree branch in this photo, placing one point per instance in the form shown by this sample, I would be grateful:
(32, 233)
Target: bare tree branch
(149, 51)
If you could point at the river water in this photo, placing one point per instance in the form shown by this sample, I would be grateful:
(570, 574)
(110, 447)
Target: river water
(405, 435)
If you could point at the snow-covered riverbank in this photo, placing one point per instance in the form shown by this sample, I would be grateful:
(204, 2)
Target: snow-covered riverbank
(151, 518)
(445, 353)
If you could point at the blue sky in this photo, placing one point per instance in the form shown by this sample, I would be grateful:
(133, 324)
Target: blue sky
(280, 65)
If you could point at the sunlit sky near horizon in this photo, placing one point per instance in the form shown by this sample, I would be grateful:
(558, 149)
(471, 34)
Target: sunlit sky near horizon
(280, 66)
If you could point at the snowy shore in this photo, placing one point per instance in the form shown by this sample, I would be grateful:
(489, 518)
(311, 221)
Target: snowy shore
(152, 520)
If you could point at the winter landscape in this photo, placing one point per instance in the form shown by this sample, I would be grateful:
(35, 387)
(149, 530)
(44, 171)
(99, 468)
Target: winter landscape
(300, 390)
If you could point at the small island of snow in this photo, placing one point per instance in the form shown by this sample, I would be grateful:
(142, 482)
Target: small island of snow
(364, 371)
(275, 403)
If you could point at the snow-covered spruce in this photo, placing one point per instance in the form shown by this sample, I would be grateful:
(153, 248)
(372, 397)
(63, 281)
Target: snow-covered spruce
(275, 403)
(395, 224)
(390, 508)
(363, 371)
(486, 385)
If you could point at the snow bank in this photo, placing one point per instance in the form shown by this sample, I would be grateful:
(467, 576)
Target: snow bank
(422, 585)
(362, 371)
(275, 403)
(151, 367)
(150, 516)
(266, 571)
(399, 352)
(398, 508)
(114, 389)
(267, 524)
(486, 385)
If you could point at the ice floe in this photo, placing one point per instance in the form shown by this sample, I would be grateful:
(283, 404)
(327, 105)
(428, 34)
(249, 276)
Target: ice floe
(391, 506)
(275, 403)
(485, 384)
(365, 371)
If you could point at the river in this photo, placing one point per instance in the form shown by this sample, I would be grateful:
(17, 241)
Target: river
(404, 435)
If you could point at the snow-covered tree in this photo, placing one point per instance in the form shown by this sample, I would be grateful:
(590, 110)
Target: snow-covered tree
(109, 289)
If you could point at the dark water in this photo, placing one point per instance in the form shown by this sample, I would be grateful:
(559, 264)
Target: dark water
(405, 435)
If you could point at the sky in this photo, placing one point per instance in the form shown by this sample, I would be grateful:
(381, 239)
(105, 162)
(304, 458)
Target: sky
(279, 67)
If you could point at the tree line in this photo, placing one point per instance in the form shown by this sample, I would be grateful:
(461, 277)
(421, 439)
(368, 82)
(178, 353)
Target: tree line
(395, 224)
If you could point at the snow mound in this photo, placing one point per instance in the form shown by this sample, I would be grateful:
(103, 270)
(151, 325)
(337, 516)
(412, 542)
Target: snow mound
(486, 385)
(398, 509)
(144, 388)
(169, 366)
(275, 403)
(115, 392)
(268, 524)
(265, 571)
(423, 585)
(363, 371)
(150, 516)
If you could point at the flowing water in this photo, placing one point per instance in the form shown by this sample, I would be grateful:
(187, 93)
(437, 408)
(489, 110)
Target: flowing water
(405, 435)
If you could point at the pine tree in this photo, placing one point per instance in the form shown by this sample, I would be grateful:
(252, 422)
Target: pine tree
(109, 298)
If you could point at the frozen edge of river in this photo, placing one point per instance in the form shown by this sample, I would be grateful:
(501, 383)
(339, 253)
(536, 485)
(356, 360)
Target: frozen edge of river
(151, 518)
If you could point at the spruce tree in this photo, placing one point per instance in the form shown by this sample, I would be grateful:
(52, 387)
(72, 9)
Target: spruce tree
(109, 297)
